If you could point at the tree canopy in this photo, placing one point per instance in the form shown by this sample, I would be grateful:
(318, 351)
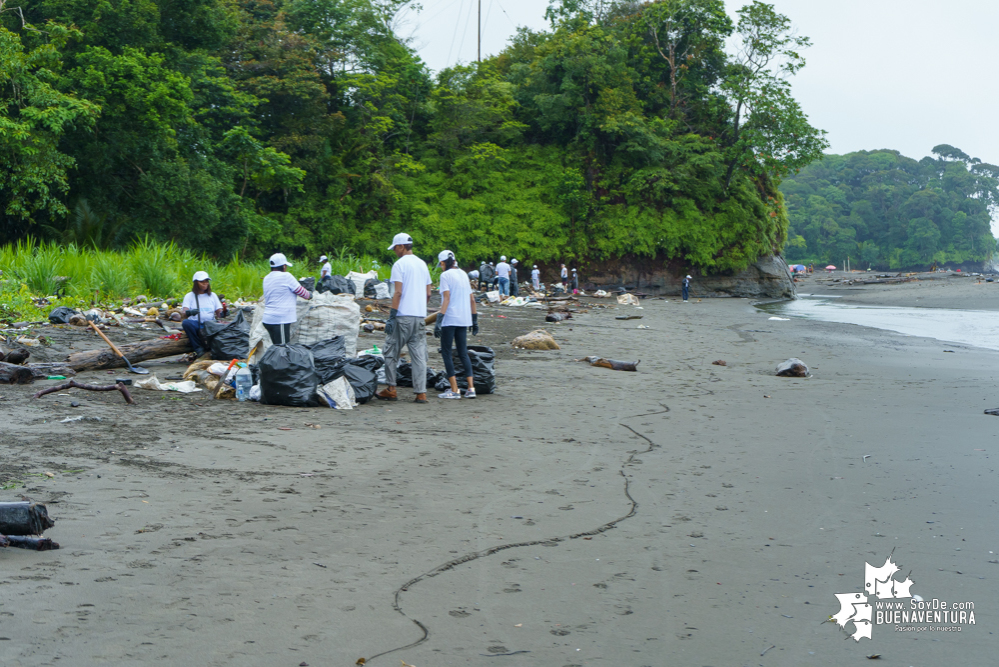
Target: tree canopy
(250, 126)
(887, 211)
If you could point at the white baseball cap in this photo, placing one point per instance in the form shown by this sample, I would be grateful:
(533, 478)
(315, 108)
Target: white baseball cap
(401, 239)
(323, 258)
(502, 258)
(689, 278)
(278, 259)
(574, 270)
(444, 254)
(513, 261)
(535, 266)
(201, 275)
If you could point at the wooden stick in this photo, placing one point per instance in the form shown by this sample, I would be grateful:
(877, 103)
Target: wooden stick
(89, 387)
(106, 340)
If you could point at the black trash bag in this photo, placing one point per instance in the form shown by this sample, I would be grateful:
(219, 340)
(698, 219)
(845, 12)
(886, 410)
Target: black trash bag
(360, 373)
(370, 292)
(329, 357)
(308, 283)
(288, 377)
(404, 375)
(228, 340)
(483, 369)
(61, 315)
(336, 285)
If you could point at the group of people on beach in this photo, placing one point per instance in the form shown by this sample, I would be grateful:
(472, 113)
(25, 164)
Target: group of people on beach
(502, 277)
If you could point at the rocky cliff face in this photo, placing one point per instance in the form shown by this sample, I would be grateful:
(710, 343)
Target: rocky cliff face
(768, 278)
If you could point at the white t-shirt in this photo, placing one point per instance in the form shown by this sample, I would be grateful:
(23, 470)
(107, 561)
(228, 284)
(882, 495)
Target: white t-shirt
(565, 272)
(327, 270)
(208, 303)
(280, 298)
(459, 307)
(502, 270)
(414, 275)
(535, 274)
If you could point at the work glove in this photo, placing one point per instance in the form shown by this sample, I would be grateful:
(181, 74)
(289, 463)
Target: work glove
(390, 325)
(437, 325)
(191, 313)
(475, 324)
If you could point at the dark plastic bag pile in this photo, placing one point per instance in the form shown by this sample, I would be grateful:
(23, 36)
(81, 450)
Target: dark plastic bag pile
(228, 341)
(361, 375)
(369, 288)
(404, 375)
(308, 283)
(61, 315)
(336, 285)
(288, 377)
(483, 369)
(329, 357)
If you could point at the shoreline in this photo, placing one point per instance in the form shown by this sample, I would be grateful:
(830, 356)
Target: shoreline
(753, 505)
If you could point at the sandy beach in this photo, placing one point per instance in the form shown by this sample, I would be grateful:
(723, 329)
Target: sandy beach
(686, 514)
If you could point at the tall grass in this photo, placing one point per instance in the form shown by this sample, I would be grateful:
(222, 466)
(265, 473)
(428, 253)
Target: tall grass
(84, 275)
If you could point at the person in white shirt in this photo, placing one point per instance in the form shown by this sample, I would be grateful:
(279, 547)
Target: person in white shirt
(200, 306)
(327, 269)
(536, 278)
(457, 316)
(407, 319)
(503, 276)
(565, 278)
(281, 292)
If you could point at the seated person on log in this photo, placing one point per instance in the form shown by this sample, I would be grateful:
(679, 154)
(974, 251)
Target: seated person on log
(200, 307)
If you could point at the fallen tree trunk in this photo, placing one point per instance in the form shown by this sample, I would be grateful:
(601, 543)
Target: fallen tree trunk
(42, 371)
(14, 374)
(92, 360)
(24, 518)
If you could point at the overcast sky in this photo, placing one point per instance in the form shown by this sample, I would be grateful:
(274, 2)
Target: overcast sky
(906, 75)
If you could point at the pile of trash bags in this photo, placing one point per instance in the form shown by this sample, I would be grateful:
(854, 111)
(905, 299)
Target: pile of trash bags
(483, 370)
(336, 285)
(228, 340)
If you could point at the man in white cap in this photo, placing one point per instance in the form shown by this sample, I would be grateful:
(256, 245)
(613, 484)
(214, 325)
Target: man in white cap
(327, 269)
(503, 276)
(536, 278)
(200, 306)
(407, 319)
(514, 287)
(280, 293)
(686, 288)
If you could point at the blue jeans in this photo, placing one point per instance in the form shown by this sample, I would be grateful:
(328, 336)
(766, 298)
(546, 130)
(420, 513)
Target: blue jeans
(459, 336)
(193, 331)
(504, 287)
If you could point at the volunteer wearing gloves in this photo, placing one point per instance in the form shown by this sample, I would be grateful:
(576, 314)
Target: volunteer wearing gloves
(200, 306)
(280, 293)
(456, 317)
(407, 321)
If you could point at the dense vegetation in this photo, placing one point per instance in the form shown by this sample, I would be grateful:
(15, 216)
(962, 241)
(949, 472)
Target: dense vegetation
(249, 126)
(887, 211)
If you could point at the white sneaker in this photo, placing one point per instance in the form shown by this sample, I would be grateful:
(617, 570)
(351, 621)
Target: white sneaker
(470, 394)
(449, 394)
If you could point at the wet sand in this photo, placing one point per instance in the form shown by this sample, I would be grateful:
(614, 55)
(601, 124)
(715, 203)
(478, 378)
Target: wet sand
(686, 514)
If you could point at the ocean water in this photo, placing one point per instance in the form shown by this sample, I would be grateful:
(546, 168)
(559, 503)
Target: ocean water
(979, 328)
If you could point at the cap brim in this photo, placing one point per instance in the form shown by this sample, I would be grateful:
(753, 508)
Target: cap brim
(391, 247)
(288, 264)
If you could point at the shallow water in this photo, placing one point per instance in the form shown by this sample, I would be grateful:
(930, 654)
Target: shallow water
(969, 327)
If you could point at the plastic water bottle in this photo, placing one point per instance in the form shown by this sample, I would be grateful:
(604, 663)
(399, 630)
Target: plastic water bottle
(244, 382)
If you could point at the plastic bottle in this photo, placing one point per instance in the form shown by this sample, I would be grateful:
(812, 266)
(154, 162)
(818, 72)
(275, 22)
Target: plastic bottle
(244, 382)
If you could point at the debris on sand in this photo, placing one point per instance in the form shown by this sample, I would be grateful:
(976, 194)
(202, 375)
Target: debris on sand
(89, 387)
(792, 368)
(719, 362)
(536, 340)
(612, 364)
(628, 300)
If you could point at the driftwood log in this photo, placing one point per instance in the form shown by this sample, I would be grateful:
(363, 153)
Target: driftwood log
(92, 360)
(89, 387)
(24, 518)
(42, 371)
(612, 364)
(14, 374)
(26, 542)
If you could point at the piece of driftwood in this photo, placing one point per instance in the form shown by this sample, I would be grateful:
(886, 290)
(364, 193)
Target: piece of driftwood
(612, 364)
(42, 371)
(28, 542)
(89, 387)
(557, 317)
(17, 357)
(14, 374)
(148, 349)
(24, 518)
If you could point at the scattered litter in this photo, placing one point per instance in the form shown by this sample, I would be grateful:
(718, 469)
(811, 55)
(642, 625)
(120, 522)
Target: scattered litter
(493, 296)
(600, 294)
(151, 383)
(516, 301)
(612, 364)
(780, 319)
(627, 300)
(719, 362)
(866, 456)
(536, 340)
(628, 317)
(557, 317)
(644, 326)
(766, 649)
(320, 565)
(793, 367)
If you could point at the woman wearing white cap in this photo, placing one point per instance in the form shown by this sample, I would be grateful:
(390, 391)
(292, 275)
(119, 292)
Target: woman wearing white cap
(536, 278)
(200, 306)
(280, 292)
(456, 317)
(327, 269)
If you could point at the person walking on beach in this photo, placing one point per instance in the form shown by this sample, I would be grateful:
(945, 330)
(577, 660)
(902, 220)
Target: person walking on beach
(200, 306)
(327, 269)
(536, 278)
(575, 282)
(686, 288)
(514, 287)
(281, 292)
(406, 324)
(503, 275)
(457, 315)
(564, 275)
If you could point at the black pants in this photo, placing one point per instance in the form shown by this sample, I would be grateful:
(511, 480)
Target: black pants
(279, 333)
(458, 336)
